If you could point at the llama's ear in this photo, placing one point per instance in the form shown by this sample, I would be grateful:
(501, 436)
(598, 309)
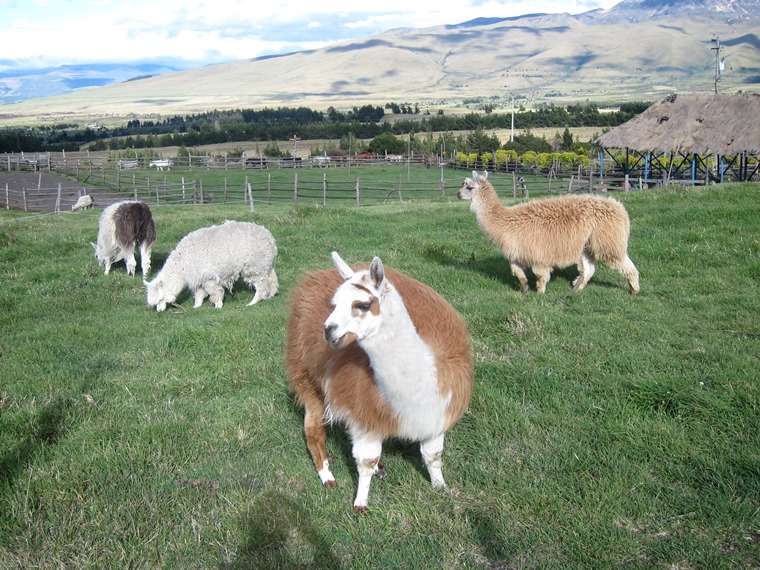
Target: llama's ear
(485, 174)
(342, 266)
(474, 174)
(377, 272)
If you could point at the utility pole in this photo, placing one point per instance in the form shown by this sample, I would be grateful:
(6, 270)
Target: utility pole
(720, 63)
(512, 132)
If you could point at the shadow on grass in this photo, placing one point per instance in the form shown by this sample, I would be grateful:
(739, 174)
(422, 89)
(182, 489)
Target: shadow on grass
(280, 535)
(497, 267)
(49, 427)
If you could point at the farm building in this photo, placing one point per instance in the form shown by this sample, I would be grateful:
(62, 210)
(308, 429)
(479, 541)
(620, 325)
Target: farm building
(696, 138)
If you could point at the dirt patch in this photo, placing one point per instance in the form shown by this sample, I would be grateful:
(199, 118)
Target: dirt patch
(45, 191)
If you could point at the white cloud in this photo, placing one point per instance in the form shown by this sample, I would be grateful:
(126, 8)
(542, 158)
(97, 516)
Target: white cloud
(50, 32)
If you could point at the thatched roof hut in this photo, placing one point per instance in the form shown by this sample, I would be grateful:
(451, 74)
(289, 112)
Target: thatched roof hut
(700, 124)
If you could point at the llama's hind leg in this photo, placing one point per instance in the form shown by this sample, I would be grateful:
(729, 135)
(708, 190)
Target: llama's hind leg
(145, 251)
(432, 451)
(129, 259)
(518, 272)
(366, 451)
(215, 294)
(543, 274)
(586, 269)
(264, 286)
(628, 269)
(316, 435)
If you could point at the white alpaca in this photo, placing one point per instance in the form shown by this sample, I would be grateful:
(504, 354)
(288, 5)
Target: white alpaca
(555, 232)
(83, 203)
(382, 354)
(211, 259)
(124, 226)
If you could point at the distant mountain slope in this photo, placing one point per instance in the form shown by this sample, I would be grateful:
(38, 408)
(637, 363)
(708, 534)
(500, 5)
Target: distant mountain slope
(638, 50)
(19, 85)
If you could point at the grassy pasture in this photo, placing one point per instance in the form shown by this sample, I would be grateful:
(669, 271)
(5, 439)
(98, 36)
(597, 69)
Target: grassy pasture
(605, 430)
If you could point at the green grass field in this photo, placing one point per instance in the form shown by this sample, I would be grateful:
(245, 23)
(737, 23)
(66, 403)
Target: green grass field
(605, 431)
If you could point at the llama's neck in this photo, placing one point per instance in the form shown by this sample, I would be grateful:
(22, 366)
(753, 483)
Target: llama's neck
(171, 275)
(485, 201)
(489, 211)
(405, 371)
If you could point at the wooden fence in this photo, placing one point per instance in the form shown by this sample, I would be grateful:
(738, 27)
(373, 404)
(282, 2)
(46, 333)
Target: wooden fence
(255, 190)
(107, 182)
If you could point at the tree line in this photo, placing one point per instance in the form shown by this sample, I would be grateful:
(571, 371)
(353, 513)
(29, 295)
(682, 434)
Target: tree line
(284, 123)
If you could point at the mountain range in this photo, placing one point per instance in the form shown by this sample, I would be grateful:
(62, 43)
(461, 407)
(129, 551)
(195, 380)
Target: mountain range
(637, 50)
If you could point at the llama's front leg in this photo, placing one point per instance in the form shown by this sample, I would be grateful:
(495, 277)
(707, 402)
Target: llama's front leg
(200, 294)
(518, 272)
(432, 451)
(366, 451)
(586, 269)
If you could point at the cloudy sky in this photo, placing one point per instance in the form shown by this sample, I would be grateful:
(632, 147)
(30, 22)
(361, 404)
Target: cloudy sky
(190, 33)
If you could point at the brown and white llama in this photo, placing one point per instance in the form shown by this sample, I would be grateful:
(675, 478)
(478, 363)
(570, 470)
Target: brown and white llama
(124, 226)
(554, 232)
(383, 354)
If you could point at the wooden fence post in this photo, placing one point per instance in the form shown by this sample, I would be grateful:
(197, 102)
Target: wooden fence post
(358, 194)
(295, 188)
(134, 185)
(7, 199)
(225, 184)
(324, 189)
(58, 200)
(200, 182)
(269, 188)
(23, 190)
(250, 197)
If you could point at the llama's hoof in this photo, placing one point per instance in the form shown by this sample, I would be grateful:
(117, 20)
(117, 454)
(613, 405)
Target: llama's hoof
(332, 483)
(361, 509)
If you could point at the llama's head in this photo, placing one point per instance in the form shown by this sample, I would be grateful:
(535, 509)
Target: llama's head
(158, 295)
(467, 191)
(104, 260)
(356, 315)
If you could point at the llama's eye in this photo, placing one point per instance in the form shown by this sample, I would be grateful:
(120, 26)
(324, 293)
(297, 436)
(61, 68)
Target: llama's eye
(364, 307)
